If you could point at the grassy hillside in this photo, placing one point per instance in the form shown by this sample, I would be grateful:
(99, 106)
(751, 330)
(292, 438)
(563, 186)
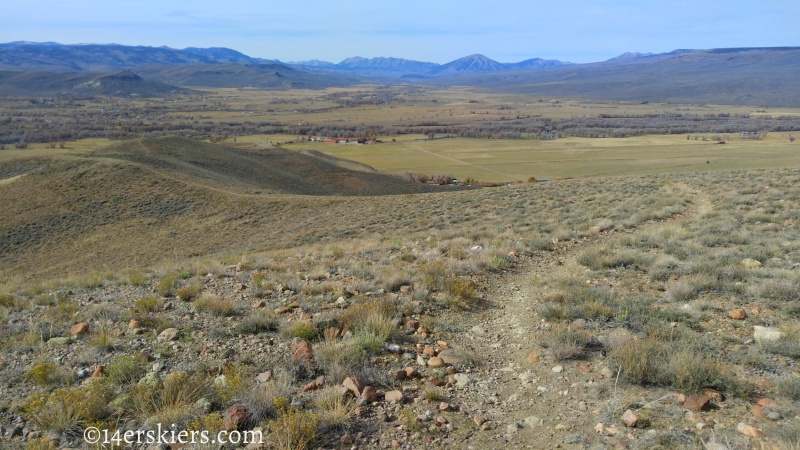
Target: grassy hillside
(120, 84)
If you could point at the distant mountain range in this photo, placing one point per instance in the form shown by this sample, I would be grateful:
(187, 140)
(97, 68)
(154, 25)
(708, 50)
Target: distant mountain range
(54, 57)
(748, 76)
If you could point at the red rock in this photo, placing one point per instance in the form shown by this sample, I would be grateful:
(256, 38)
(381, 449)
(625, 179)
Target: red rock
(630, 418)
(369, 394)
(680, 397)
(757, 411)
(429, 351)
(412, 324)
(768, 383)
(765, 402)
(237, 415)
(394, 396)
(696, 402)
(133, 324)
(314, 385)
(99, 371)
(747, 430)
(583, 367)
(436, 381)
(353, 385)
(443, 406)
(79, 328)
(442, 344)
(412, 372)
(346, 439)
(259, 304)
(398, 375)
(714, 395)
(435, 362)
(737, 314)
(304, 353)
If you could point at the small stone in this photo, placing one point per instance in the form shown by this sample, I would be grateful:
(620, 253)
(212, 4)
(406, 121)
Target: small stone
(170, 334)
(133, 324)
(259, 304)
(773, 415)
(444, 406)
(428, 350)
(607, 372)
(99, 371)
(747, 430)
(534, 421)
(757, 411)
(765, 402)
(766, 334)
(583, 367)
(442, 344)
(478, 420)
(561, 427)
(435, 362)
(79, 328)
(462, 379)
(318, 383)
(737, 314)
(630, 418)
(412, 325)
(696, 402)
(353, 385)
(533, 358)
(263, 377)
(398, 375)
(582, 406)
(557, 369)
(512, 428)
(436, 381)
(346, 439)
(412, 372)
(369, 394)
(394, 396)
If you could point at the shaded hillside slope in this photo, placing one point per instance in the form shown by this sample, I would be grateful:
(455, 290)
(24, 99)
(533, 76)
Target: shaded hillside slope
(123, 83)
(265, 76)
(272, 170)
(758, 76)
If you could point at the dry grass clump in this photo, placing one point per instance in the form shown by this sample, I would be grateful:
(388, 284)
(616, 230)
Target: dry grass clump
(188, 292)
(340, 359)
(566, 342)
(173, 401)
(336, 410)
(104, 339)
(305, 330)
(258, 321)
(294, 429)
(147, 304)
(215, 305)
(125, 369)
(69, 410)
(44, 374)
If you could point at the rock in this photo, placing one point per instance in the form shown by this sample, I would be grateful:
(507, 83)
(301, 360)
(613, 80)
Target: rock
(773, 415)
(318, 383)
(398, 375)
(442, 344)
(435, 362)
(534, 421)
(237, 415)
(607, 372)
(353, 385)
(583, 367)
(304, 353)
(478, 420)
(259, 304)
(751, 263)
(557, 369)
(767, 334)
(157, 367)
(263, 377)
(99, 371)
(757, 411)
(583, 406)
(766, 403)
(170, 334)
(714, 395)
(203, 404)
(737, 314)
(462, 379)
(428, 350)
(696, 402)
(394, 396)
(133, 324)
(533, 358)
(412, 324)
(449, 356)
(604, 430)
(79, 328)
(716, 446)
(630, 418)
(59, 341)
(479, 330)
(436, 381)
(412, 372)
(747, 430)
(391, 348)
(346, 439)
(513, 428)
(444, 406)
(369, 394)
(561, 427)
(83, 373)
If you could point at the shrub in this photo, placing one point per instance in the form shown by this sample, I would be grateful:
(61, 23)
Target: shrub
(293, 429)
(188, 292)
(166, 287)
(336, 410)
(460, 288)
(173, 401)
(69, 410)
(44, 374)
(259, 321)
(104, 340)
(138, 280)
(790, 388)
(340, 359)
(216, 306)
(566, 343)
(125, 369)
(303, 329)
(147, 304)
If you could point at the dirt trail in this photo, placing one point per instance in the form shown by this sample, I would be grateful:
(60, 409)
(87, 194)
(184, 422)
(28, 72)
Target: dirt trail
(509, 388)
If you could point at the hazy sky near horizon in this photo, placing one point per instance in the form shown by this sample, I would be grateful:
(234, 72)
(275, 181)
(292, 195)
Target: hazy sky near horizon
(432, 30)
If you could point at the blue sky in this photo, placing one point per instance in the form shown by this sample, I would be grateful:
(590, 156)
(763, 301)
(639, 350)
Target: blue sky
(431, 30)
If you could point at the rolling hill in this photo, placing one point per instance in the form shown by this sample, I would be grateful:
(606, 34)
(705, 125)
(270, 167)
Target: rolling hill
(121, 84)
(141, 201)
(265, 76)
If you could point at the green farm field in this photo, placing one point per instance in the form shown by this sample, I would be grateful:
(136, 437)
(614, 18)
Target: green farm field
(517, 159)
